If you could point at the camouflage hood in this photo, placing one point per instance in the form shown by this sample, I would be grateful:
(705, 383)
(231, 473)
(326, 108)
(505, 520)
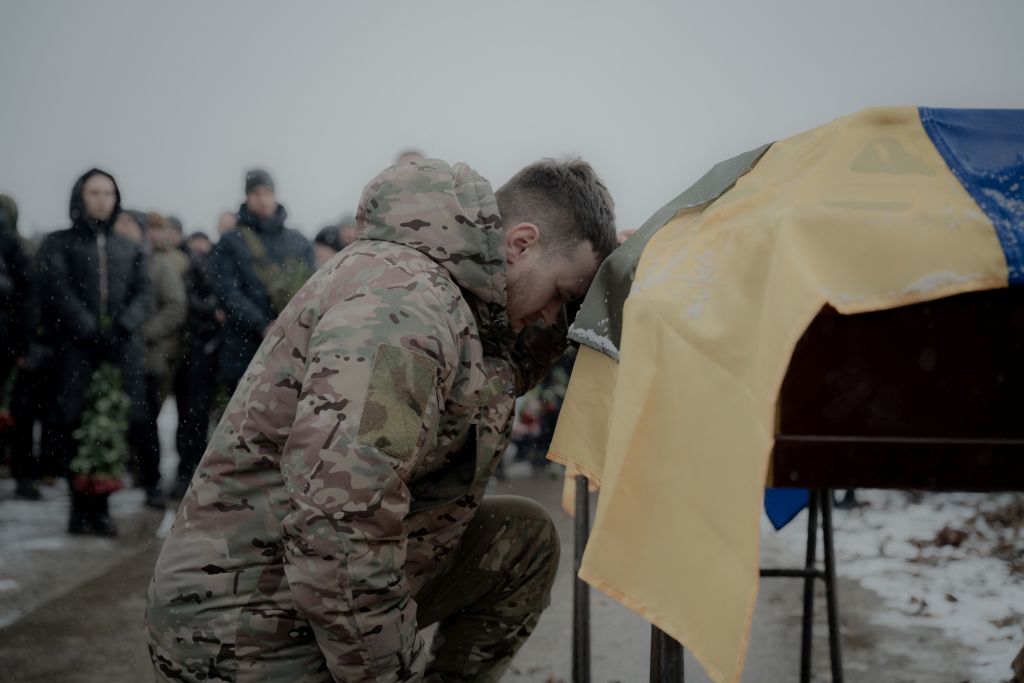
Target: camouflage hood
(450, 214)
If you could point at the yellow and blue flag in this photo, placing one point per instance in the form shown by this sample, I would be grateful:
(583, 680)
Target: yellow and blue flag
(687, 332)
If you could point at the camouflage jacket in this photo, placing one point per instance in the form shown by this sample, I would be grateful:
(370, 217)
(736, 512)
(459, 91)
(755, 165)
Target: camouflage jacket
(354, 452)
(162, 330)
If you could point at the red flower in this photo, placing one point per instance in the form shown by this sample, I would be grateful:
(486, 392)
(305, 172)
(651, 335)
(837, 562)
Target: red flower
(96, 484)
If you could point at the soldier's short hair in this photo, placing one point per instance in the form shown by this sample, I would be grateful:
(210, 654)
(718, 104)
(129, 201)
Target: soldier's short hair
(566, 200)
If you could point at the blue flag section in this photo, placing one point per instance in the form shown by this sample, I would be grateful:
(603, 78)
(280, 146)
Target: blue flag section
(782, 505)
(984, 149)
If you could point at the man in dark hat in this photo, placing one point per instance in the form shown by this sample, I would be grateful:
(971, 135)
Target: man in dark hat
(131, 225)
(194, 391)
(348, 229)
(256, 269)
(326, 244)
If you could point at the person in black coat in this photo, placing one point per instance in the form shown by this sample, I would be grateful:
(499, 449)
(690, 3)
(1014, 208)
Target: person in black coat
(29, 402)
(15, 291)
(194, 390)
(95, 288)
(256, 269)
(16, 326)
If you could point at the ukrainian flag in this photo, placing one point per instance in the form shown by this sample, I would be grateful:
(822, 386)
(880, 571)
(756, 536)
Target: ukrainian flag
(689, 327)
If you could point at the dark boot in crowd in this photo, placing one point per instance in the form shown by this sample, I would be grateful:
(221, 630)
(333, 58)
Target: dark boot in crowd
(80, 522)
(27, 490)
(155, 497)
(102, 524)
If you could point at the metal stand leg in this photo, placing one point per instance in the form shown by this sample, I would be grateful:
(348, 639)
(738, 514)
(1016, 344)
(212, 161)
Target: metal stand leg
(818, 500)
(581, 591)
(808, 618)
(666, 658)
(831, 598)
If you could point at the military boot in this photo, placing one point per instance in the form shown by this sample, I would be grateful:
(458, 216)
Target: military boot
(102, 524)
(80, 522)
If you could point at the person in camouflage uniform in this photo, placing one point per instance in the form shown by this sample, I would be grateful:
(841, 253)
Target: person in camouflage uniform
(339, 508)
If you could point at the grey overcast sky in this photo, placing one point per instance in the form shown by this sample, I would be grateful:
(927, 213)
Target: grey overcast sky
(177, 99)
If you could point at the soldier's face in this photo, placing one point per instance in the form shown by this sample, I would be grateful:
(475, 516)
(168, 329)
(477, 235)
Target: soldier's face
(322, 254)
(126, 227)
(160, 237)
(349, 234)
(200, 245)
(262, 201)
(99, 197)
(227, 222)
(542, 281)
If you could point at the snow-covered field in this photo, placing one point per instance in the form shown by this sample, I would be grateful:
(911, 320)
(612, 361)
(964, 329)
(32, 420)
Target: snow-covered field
(952, 561)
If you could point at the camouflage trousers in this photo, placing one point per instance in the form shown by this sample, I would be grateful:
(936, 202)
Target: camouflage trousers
(485, 601)
(490, 594)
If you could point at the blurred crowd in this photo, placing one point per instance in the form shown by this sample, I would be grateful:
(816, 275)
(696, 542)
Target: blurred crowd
(103, 321)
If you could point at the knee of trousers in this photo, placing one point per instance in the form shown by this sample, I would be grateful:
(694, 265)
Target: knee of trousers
(525, 548)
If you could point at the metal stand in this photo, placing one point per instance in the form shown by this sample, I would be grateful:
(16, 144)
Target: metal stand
(580, 590)
(666, 654)
(831, 597)
(666, 658)
(819, 500)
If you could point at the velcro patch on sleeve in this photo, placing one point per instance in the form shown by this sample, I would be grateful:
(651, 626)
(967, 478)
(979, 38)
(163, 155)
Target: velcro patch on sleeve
(402, 384)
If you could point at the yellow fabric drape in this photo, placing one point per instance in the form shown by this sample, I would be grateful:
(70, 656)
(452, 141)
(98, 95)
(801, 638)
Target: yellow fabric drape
(861, 214)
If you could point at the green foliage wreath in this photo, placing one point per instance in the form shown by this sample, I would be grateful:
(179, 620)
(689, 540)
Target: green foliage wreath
(102, 438)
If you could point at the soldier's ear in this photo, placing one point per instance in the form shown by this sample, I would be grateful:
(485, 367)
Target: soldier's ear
(519, 240)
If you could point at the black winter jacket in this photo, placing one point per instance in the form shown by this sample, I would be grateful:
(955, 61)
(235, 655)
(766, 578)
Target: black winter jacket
(241, 292)
(15, 296)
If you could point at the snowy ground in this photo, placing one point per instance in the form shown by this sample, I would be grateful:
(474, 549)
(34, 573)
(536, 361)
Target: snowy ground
(913, 608)
(954, 561)
(40, 561)
(932, 585)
